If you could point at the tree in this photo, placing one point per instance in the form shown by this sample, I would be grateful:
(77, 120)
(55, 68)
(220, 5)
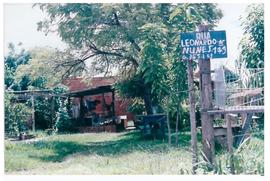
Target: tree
(16, 116)
(16, 56)
(27, 70)
(40, 68)
(252, 42)
(30, 69)
(136, 39)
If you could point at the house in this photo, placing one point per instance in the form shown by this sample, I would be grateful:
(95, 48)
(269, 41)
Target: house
(96, 104)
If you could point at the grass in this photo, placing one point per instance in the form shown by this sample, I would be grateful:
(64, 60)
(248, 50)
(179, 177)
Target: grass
(248, 158)
(107, 153)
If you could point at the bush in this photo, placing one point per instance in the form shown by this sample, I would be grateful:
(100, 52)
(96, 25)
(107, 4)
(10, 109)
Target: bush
(137, 106)
(16, 116)
(63, 122)
(42, 113)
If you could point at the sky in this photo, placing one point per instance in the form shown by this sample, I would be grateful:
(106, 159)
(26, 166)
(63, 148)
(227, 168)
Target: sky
(20, 25)
(234, 32)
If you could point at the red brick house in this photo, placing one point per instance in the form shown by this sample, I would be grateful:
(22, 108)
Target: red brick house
(107, 104)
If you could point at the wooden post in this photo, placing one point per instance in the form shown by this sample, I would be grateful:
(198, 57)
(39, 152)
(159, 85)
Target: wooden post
(113, 105)
(245, 128)
(103, 103)
(52, 111)
(206, 104)
(168, 123)
(81, 109)
(69, 107)
(230, 141)
(163, 127)
(33, 113)
(192, 116)
(247, 119)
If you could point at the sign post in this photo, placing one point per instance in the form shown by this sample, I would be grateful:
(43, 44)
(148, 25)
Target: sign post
(203, 46)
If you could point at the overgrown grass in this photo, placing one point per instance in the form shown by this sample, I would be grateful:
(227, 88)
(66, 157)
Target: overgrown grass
(248, 158)
(108, 153)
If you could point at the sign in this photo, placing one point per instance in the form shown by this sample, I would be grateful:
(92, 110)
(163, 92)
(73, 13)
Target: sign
(203, 45)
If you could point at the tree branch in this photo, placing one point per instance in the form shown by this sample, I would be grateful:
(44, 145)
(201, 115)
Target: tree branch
(130, 38)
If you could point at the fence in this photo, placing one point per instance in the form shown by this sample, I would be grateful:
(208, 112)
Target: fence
(238, 89)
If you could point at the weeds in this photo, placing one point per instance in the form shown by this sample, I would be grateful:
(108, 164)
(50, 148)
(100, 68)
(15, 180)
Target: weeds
(122, 153)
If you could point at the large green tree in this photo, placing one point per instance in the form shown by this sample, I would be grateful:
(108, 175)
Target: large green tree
(40, 68)
(16, 56)
(26, 70)
(252, 43)
(137, 40)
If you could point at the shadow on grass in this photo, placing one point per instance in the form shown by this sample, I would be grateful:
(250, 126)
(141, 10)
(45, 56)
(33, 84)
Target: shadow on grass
(126, 143)
(61, 150)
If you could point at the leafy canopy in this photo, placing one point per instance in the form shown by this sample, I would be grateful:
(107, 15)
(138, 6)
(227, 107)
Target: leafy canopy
(252, 43)
(138, 41)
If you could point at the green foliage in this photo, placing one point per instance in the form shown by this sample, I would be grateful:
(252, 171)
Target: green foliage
(184, 123)
(137, 106)
(16, 57)
(247, 159)
(60, 88)
(32, 70)
(135, 39)
(9, 76)
(252, 43)
(41, 68)
(16, 116)
(63, 122)
(120, 153)
(43, 113)
(131, 88)
(153, 66)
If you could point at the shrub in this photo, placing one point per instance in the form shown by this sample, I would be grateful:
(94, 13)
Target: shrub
(42, 113)
(63, 122)
(16, 116)
(248, 158)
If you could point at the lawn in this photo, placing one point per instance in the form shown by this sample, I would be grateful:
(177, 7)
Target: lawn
(117, 153)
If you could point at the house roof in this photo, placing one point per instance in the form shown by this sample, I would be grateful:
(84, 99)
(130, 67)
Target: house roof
(90, 91)
(78, 84)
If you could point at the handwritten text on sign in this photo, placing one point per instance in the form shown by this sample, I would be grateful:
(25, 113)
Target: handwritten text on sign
(203, 45)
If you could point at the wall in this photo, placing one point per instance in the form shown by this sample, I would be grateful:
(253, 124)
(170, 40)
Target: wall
(121, 105)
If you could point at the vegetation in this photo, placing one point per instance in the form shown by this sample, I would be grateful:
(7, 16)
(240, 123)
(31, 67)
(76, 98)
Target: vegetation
(118, 153)
(248, 158)
(16, 116)
(139, 40)
(29, 70)
(252, 43)
(63, 122)
(39, 68)
(16, 57)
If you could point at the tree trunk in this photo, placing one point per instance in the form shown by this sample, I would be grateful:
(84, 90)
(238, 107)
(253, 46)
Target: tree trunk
(147, 100)
(33, 114)
(176, 125)
(192, 116)
(169, 127)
